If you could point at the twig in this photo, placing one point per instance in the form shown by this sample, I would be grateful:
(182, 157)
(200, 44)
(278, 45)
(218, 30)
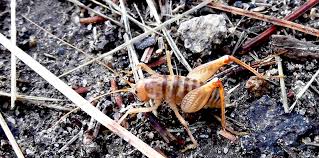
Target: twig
(78, 100)
(88, 134)
(159, 62)
(96, 12)
(10, 137)
(92, 20)
(81, 90)
(13, 58)
(304, 89)
(267, 33)
(282, 85)
(294, 49)
(118, 98)
(166, 135)
(266, 18)
(94, 127)
(147, 54)
(169, 39)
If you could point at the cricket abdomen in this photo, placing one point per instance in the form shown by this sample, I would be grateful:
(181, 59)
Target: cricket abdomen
(171, 88)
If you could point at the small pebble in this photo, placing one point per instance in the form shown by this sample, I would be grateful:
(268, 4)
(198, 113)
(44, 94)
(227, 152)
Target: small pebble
(3, 143)
(11, 120)
(146, 42)
(258, 9)
(238, 4)
(203, 136)
(61, 51)
(69, 129)
(29, 152)
(150, 135)
(32, 41)
(306, 140)
(302, 111)
(84, 82)
(5, 105)
(200, 33)
(225, 150)
(89, 27)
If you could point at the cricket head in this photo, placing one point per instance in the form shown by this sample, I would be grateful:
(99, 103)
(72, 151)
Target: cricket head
(140, 91)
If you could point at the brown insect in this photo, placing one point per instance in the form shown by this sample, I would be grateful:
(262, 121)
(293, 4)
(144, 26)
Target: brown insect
(190, 92)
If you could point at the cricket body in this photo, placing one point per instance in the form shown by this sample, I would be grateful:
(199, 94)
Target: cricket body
(190, 93)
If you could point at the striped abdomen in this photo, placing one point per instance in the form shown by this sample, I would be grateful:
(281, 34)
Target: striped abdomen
(171, 88)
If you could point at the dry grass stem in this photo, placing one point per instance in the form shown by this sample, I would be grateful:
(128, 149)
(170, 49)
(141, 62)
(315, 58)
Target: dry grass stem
(140, 37)
(120, 12)
(10, 137)
(169, 39)
(13, 58)
(131, 51)
(314, 89)
(26, 97)
(304, 89)
(65, 116)
(139, 14)
(312, 144)
(73, 139)
(78, 100)
(282, 85)
(266, 18)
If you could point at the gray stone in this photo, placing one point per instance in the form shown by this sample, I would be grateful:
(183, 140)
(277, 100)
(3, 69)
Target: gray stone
(201, 32)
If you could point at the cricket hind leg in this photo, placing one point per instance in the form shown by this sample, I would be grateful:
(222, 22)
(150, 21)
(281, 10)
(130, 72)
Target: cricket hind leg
(206, 96)
(221, 99)
(207, 70)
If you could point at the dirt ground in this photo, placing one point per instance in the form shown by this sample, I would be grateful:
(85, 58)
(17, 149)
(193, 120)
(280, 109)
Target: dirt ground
(269, 131)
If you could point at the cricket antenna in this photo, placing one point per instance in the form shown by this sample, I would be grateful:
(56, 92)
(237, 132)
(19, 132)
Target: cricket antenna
(112, 92)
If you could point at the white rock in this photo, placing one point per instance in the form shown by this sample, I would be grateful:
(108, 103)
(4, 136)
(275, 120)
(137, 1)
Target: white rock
(200, 32)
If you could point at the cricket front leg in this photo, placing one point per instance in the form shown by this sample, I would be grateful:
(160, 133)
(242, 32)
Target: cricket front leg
(138, 110)
(152, 72)
(205, 71)
(146, 68)
(169, 63)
